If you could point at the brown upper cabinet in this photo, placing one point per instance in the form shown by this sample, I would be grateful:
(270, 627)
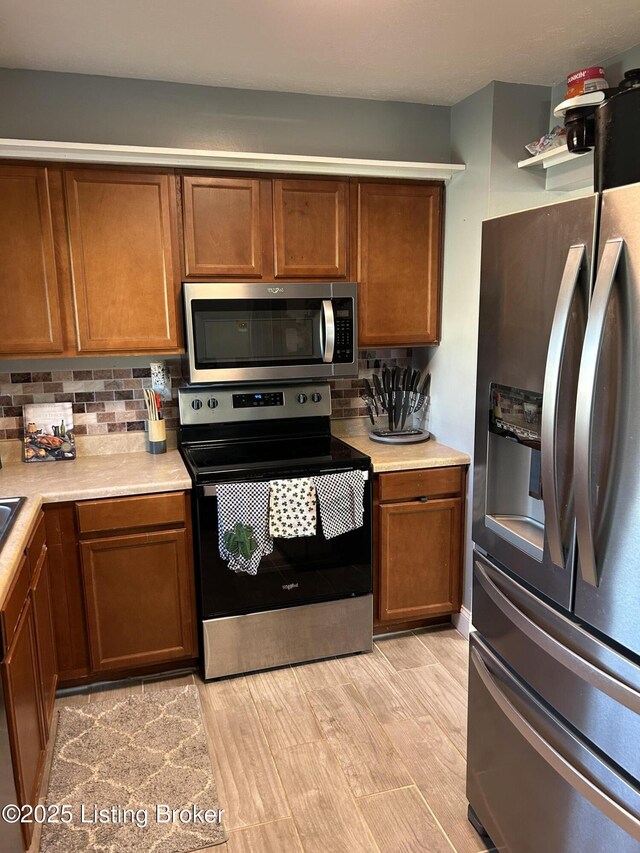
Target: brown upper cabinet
(310, 227)
(29, 300)
(397, 239)
(224, 234)
(123, 260)
(267, 229)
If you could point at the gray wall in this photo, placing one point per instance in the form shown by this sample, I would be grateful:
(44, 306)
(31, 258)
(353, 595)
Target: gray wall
(488, 132)
(85, 108)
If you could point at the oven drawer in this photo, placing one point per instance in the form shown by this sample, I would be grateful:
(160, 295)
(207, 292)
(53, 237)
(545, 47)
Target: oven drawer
(139, 511)
(532, 782)
(427, 482)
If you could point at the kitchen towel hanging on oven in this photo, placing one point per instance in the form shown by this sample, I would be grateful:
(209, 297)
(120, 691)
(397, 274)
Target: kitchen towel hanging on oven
(243, 525)
(341, 501)
(292, 508)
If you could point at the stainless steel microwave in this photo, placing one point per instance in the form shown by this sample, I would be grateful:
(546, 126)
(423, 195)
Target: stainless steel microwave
(248, 331)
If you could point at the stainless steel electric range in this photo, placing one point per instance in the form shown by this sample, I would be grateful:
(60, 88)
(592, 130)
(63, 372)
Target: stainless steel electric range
(311, 597)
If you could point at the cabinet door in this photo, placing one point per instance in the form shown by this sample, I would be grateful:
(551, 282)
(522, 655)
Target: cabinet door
(310, 228)
(29, 301)
(23, 704)
(123, 260)
(41, 593)
(65, 576)
(223, 226)
(140, 599)
(420, 559)
(399, 263)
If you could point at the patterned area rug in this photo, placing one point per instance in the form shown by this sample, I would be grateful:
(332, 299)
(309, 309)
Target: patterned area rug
(123, 766)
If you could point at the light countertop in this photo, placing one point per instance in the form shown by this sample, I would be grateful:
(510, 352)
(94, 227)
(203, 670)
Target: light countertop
(84, 478)
(398, 457)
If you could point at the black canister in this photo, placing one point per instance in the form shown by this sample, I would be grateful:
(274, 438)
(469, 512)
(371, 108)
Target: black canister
(617, 136)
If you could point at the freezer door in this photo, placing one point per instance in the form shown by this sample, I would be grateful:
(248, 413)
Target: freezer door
(607, 436)
(533, 783)
(535, 282)
(589, 684)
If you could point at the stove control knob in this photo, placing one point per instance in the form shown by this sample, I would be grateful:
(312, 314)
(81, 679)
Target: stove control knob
(212, 403)
(196, 404)
(302, 398)
(316, 397)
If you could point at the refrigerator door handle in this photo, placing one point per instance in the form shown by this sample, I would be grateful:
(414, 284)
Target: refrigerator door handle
(578, 781)
(550, 400)
(598, 678)
(585, 404)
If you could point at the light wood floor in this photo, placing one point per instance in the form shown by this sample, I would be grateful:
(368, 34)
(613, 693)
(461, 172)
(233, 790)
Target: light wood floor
(363, 754)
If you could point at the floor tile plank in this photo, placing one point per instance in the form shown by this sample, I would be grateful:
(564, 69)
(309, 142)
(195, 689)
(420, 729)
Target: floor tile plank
(149, 685)
(283, 708)
(325, 813)
(223, 694)
(279, 836)
(439, 771)
(444, 697)
(117, 690)
(320, 674)
(405, 652)
(248, 785)
(451, 649)
(372, 665)
(400, 822)
(358, 741)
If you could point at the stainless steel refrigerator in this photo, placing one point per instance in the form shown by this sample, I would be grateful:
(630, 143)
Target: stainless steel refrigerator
(554, 673)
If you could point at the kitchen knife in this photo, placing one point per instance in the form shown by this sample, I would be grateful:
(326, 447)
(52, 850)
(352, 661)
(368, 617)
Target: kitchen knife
(378, 387)
(397, 399)
(367, 385)
(386, 384)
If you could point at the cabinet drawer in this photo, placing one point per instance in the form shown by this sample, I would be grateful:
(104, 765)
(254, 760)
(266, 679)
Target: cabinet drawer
(14, 602)
(103, 516)
(36, 543)
(427, 482)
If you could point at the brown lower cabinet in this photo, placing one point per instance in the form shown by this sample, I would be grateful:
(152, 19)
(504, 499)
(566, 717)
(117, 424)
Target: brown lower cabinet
(29, 672)
(418, 542)
(122, 572)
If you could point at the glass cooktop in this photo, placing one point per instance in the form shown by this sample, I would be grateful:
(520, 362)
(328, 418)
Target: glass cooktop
(206, 460)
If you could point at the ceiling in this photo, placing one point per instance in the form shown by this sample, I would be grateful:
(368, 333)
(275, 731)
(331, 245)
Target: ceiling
(426, 51)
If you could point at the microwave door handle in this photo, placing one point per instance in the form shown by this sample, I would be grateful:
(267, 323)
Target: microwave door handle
(329, 326)
(585, 403)
(550, 400)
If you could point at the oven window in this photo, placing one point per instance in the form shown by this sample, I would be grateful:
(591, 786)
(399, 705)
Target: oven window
(254, 332)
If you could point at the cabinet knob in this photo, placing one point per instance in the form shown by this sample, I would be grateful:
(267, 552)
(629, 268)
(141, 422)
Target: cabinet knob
(423, 500)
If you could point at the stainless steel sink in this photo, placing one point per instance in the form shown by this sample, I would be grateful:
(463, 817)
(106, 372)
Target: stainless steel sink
(9, 509)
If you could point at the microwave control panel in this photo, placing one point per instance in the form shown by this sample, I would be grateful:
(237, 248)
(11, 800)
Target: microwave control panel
(343, 318)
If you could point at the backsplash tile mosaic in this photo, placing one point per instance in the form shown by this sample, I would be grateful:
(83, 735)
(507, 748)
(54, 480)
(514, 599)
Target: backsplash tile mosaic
(111, 399)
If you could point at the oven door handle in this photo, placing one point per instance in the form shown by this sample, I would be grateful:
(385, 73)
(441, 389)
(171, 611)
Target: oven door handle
(210, 491)
(329, 328)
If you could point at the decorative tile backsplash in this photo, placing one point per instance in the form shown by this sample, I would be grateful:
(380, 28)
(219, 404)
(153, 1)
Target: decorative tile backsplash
(112, 399)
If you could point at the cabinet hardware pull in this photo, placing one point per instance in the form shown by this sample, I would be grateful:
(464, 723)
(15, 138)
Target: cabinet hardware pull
(423, 499)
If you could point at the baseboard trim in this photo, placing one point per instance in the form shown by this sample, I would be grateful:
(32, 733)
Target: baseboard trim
(462, 622)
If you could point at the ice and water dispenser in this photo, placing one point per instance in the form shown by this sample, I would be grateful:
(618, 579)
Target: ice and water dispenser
(514, 508)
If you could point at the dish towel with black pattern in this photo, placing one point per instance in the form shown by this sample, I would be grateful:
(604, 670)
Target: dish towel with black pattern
(243, 525)
(292, 508)
(341, 501)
